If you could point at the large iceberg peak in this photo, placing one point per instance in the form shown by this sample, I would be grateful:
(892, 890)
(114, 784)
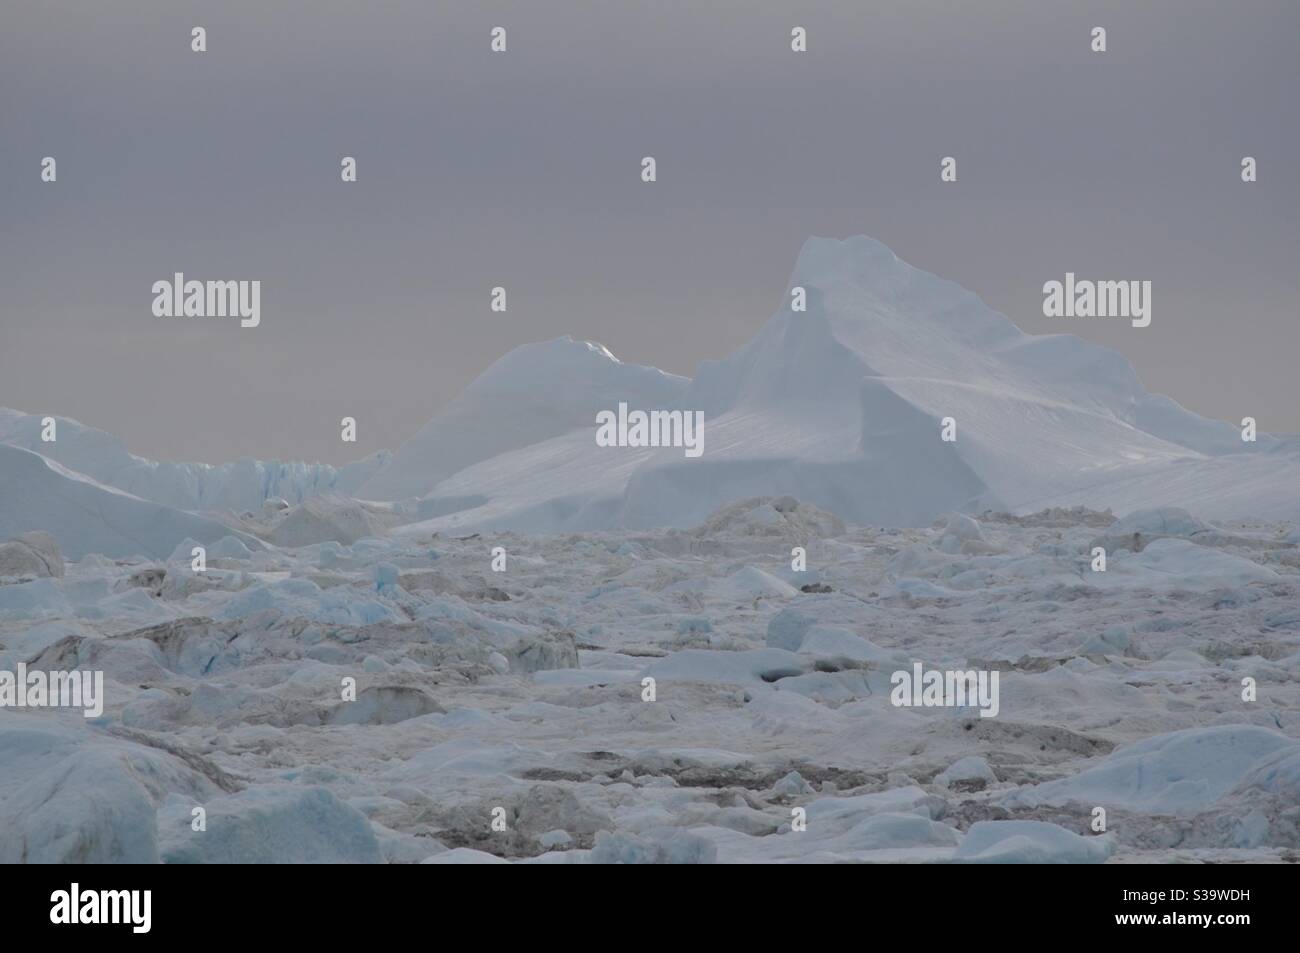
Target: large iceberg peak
(859, 258)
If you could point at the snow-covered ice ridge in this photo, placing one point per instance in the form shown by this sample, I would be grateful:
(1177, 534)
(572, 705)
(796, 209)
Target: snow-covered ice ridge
(524, 690)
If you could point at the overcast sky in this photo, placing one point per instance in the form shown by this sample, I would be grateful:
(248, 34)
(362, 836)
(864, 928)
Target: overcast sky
(522, 169)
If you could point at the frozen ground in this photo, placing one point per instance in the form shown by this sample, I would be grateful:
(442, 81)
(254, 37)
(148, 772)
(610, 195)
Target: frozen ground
(523, 690)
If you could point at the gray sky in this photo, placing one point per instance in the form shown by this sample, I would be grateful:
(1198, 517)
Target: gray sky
(480, 169)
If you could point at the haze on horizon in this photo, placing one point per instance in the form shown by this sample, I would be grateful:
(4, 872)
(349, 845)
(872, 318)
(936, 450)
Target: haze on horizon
(522, 170)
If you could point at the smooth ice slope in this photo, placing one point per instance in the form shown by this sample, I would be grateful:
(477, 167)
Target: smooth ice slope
(87, 517)
(1176, 773)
